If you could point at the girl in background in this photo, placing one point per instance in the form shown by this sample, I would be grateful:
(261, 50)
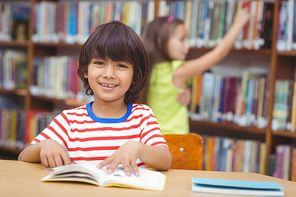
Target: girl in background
(166, 41)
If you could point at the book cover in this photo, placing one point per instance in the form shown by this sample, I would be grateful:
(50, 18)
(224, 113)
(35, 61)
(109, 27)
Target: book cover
(222, 20)
(294, 28)
(258, 40)
(260, 101)
(293, 115)
(211, 24)
(208, 88)
(262, 160)
(293, 171)
(147, 180)
(20, 22)
(289, 26)
(221, 99)
(289, 105)
(203, 13)
(216, 114)
(271, 164)
(193, 22)
(266, 30)
(236, 187)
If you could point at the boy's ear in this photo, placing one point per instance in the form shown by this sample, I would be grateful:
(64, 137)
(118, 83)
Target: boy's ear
(85, 75)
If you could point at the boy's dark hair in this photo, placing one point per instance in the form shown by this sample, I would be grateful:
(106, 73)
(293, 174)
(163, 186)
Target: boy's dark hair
(118, 42)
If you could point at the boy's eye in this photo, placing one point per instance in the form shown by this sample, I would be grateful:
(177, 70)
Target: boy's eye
(99, 63)
(122, 66)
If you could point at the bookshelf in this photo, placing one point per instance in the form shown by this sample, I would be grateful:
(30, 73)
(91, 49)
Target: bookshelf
(281, 66)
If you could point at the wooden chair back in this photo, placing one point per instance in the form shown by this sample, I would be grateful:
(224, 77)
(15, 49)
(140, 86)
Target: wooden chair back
(186, 150)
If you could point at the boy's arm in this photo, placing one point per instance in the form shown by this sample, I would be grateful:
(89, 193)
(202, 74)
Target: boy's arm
(196, 66)
(49, 152)
(157, 157)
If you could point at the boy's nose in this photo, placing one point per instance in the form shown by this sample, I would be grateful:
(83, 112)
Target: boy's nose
(109, 72)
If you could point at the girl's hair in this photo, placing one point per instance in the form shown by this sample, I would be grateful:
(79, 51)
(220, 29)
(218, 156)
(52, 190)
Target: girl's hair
(155, 38)
(118, 42)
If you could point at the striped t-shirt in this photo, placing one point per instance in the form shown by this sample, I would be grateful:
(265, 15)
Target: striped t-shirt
(88, 138)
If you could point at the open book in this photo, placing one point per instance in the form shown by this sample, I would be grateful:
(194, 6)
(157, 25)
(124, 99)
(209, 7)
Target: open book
(236, 187)
(149, 180)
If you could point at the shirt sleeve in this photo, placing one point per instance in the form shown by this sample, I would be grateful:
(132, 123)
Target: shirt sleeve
(176, 64)
(56, 130)
(150, 130)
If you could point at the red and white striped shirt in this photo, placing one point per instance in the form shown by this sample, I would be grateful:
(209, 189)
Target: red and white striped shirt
(88, 138)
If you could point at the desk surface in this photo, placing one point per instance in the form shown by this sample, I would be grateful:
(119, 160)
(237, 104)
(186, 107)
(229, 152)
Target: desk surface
(24, 179)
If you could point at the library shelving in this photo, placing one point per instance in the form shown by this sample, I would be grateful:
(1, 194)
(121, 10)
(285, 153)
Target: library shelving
(39, 44)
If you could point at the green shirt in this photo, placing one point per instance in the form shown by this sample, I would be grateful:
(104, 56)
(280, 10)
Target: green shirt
(170, 114)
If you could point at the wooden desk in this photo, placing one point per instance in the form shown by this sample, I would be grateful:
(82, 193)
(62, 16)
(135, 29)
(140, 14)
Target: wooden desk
(24, 179)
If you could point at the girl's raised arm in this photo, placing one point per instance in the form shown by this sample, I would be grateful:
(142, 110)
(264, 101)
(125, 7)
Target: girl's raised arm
(196, 66)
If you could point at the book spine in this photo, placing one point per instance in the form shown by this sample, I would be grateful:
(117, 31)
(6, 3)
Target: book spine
(221, 22)
(202, 20)
(193, 26)
(290, 5)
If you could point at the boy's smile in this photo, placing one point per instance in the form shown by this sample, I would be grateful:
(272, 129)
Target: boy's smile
(109, 80)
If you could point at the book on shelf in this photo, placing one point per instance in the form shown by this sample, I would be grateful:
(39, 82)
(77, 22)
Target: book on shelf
(230, 99)
(284, 158)
(280, 107)
(13, 67)
(236, 187)
(226, 154)
(72, 22)
(147, 180)
(14, 21)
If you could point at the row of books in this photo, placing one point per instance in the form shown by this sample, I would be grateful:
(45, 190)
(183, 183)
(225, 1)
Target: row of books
(13, 69)
(284, 107)
(14, 20)
(55, 77)
(285, 163)
(219, 98)
(72, 22)
(18, 128)
(208, 21)
(233, 155)
(286, 30)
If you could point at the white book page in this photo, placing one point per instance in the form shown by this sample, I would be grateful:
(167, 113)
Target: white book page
(84, 173)
(147, 179)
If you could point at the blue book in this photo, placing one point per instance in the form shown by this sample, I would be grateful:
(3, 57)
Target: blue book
(236, 187)
(221, 95)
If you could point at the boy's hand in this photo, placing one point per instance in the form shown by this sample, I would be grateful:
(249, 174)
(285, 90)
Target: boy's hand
(52, 154)
(184, 97)
(126, 155)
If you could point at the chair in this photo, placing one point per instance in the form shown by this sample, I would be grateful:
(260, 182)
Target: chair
(186, 150)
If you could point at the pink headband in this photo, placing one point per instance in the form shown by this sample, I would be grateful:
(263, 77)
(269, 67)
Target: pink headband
(170, 18)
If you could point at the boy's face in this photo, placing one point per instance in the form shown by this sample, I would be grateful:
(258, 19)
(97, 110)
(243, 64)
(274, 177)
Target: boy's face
(108, 79)
(178, 44)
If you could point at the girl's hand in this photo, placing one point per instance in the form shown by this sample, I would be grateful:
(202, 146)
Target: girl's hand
(52, 154)
(126, 155)
(242, 15)
(184, 97)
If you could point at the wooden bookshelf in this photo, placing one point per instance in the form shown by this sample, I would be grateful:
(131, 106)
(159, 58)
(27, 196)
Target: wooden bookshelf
(61, 44)
(284, 134)
(19, 92)
(14, 44)
(243, 51)
(228, 126)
